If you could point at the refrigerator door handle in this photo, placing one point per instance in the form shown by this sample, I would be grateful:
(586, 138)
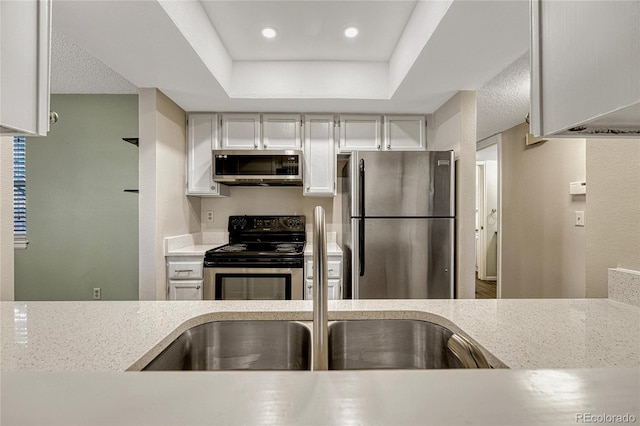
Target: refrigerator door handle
(361, 245)
(361, 221)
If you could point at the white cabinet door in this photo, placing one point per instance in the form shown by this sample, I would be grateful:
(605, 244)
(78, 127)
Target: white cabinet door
(281, 131)
(585, 67)
(333, 289)
(25, 45)
(185, 290)
(319, 156)
(360, 133)
(334, 277)
(202, 137)
(405, 133)
(240, 131)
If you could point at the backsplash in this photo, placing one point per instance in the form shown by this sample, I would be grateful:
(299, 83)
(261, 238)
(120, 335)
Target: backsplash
(270, 201)
(624, 286)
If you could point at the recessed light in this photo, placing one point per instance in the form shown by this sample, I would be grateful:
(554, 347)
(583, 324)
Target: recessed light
(269, 32)
(351, 32)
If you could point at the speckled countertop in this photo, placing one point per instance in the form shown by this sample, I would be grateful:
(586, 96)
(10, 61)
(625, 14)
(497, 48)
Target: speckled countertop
(119, 336)
(198, 244)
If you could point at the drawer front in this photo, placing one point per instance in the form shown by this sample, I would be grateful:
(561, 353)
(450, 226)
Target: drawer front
(185, 270)
(334, 269)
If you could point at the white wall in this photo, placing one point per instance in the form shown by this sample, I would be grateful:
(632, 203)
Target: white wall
(453, 126)
(543, 252)
(6, 219)
(613, 210)
(164, 209)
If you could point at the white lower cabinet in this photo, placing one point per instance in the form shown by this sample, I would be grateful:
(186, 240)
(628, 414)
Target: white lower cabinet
(334, 277)
(185, 277)
(185, 289)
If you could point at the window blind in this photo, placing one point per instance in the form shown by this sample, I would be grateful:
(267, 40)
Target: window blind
(19, 192)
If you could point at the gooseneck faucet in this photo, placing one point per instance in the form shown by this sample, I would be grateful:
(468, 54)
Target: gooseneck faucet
(320, 288)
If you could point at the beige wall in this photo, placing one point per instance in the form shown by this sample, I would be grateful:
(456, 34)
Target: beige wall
(164, 209)
(271, 201)
(454, 127)
(543, 252)
(6, 219)
(613, 210)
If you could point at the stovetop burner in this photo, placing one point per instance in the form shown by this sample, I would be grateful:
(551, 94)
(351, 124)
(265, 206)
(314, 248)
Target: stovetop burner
(261, 240)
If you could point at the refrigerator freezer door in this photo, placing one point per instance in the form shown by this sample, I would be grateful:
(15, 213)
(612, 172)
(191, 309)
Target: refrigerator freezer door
(403, 184)
(403, 259)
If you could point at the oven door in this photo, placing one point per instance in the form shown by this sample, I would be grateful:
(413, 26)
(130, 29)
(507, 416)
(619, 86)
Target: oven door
(222, 283)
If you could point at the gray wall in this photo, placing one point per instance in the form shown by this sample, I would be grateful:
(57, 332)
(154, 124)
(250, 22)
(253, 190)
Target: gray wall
(543, 252)
(613, 210)
(82, 227)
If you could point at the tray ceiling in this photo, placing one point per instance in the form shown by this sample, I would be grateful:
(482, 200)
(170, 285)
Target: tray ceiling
(208, 55)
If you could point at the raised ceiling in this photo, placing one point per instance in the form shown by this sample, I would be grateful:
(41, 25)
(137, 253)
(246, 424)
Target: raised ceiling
(208, 56)
(310, 30)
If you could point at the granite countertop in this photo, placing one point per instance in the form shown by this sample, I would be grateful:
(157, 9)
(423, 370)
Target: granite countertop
(194, 244)
(119, 336)
(396, 397)
(198, 244)
(85, 347)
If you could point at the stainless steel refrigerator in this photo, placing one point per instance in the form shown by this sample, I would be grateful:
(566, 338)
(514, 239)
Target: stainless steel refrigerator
(398, 225)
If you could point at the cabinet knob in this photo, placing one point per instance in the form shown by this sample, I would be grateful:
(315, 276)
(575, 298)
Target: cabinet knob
(379, 146)
(198, 288)
(255, 146)
(388, 146)
(265, 144)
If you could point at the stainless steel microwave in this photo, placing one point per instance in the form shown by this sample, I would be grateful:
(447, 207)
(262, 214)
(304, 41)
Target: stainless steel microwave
(240, 167)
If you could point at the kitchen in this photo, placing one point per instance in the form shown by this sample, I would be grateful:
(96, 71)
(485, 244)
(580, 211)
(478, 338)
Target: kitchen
(154, 282)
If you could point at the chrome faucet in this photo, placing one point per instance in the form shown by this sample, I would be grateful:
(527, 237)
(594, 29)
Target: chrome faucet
(320, 289)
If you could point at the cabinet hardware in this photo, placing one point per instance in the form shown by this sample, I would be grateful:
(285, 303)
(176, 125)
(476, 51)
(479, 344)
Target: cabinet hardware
(388, 146)
(184, 270)
(379, 146)
(197, 287)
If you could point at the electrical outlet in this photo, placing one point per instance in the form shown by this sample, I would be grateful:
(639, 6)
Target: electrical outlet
(579, 218)
(97, 293)
(209, 215)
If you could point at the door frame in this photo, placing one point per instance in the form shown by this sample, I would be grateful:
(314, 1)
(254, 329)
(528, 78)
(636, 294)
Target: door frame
(495, 140)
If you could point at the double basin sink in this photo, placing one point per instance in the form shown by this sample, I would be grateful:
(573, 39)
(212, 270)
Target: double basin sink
(286, 345)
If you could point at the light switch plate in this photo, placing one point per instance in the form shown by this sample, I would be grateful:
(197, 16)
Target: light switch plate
(579, 218)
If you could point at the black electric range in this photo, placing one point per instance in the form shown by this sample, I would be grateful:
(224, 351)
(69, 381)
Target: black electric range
(261, 241)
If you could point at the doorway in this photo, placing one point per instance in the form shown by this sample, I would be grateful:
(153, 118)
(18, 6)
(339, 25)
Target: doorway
(487, 219)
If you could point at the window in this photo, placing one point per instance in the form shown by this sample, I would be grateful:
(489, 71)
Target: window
(19, 192)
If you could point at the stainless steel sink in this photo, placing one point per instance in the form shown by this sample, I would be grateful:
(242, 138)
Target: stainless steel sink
(238, 345)
(394, 344)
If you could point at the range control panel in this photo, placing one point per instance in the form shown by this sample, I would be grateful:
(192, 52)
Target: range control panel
(267, 223)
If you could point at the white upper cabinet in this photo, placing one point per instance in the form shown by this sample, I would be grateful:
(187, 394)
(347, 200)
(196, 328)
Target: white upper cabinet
(360, 133)
(202, 138)
(405, 133)
(585, 68)
(25, 45)
(319, 156)
(240, 131)
(281, 131)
